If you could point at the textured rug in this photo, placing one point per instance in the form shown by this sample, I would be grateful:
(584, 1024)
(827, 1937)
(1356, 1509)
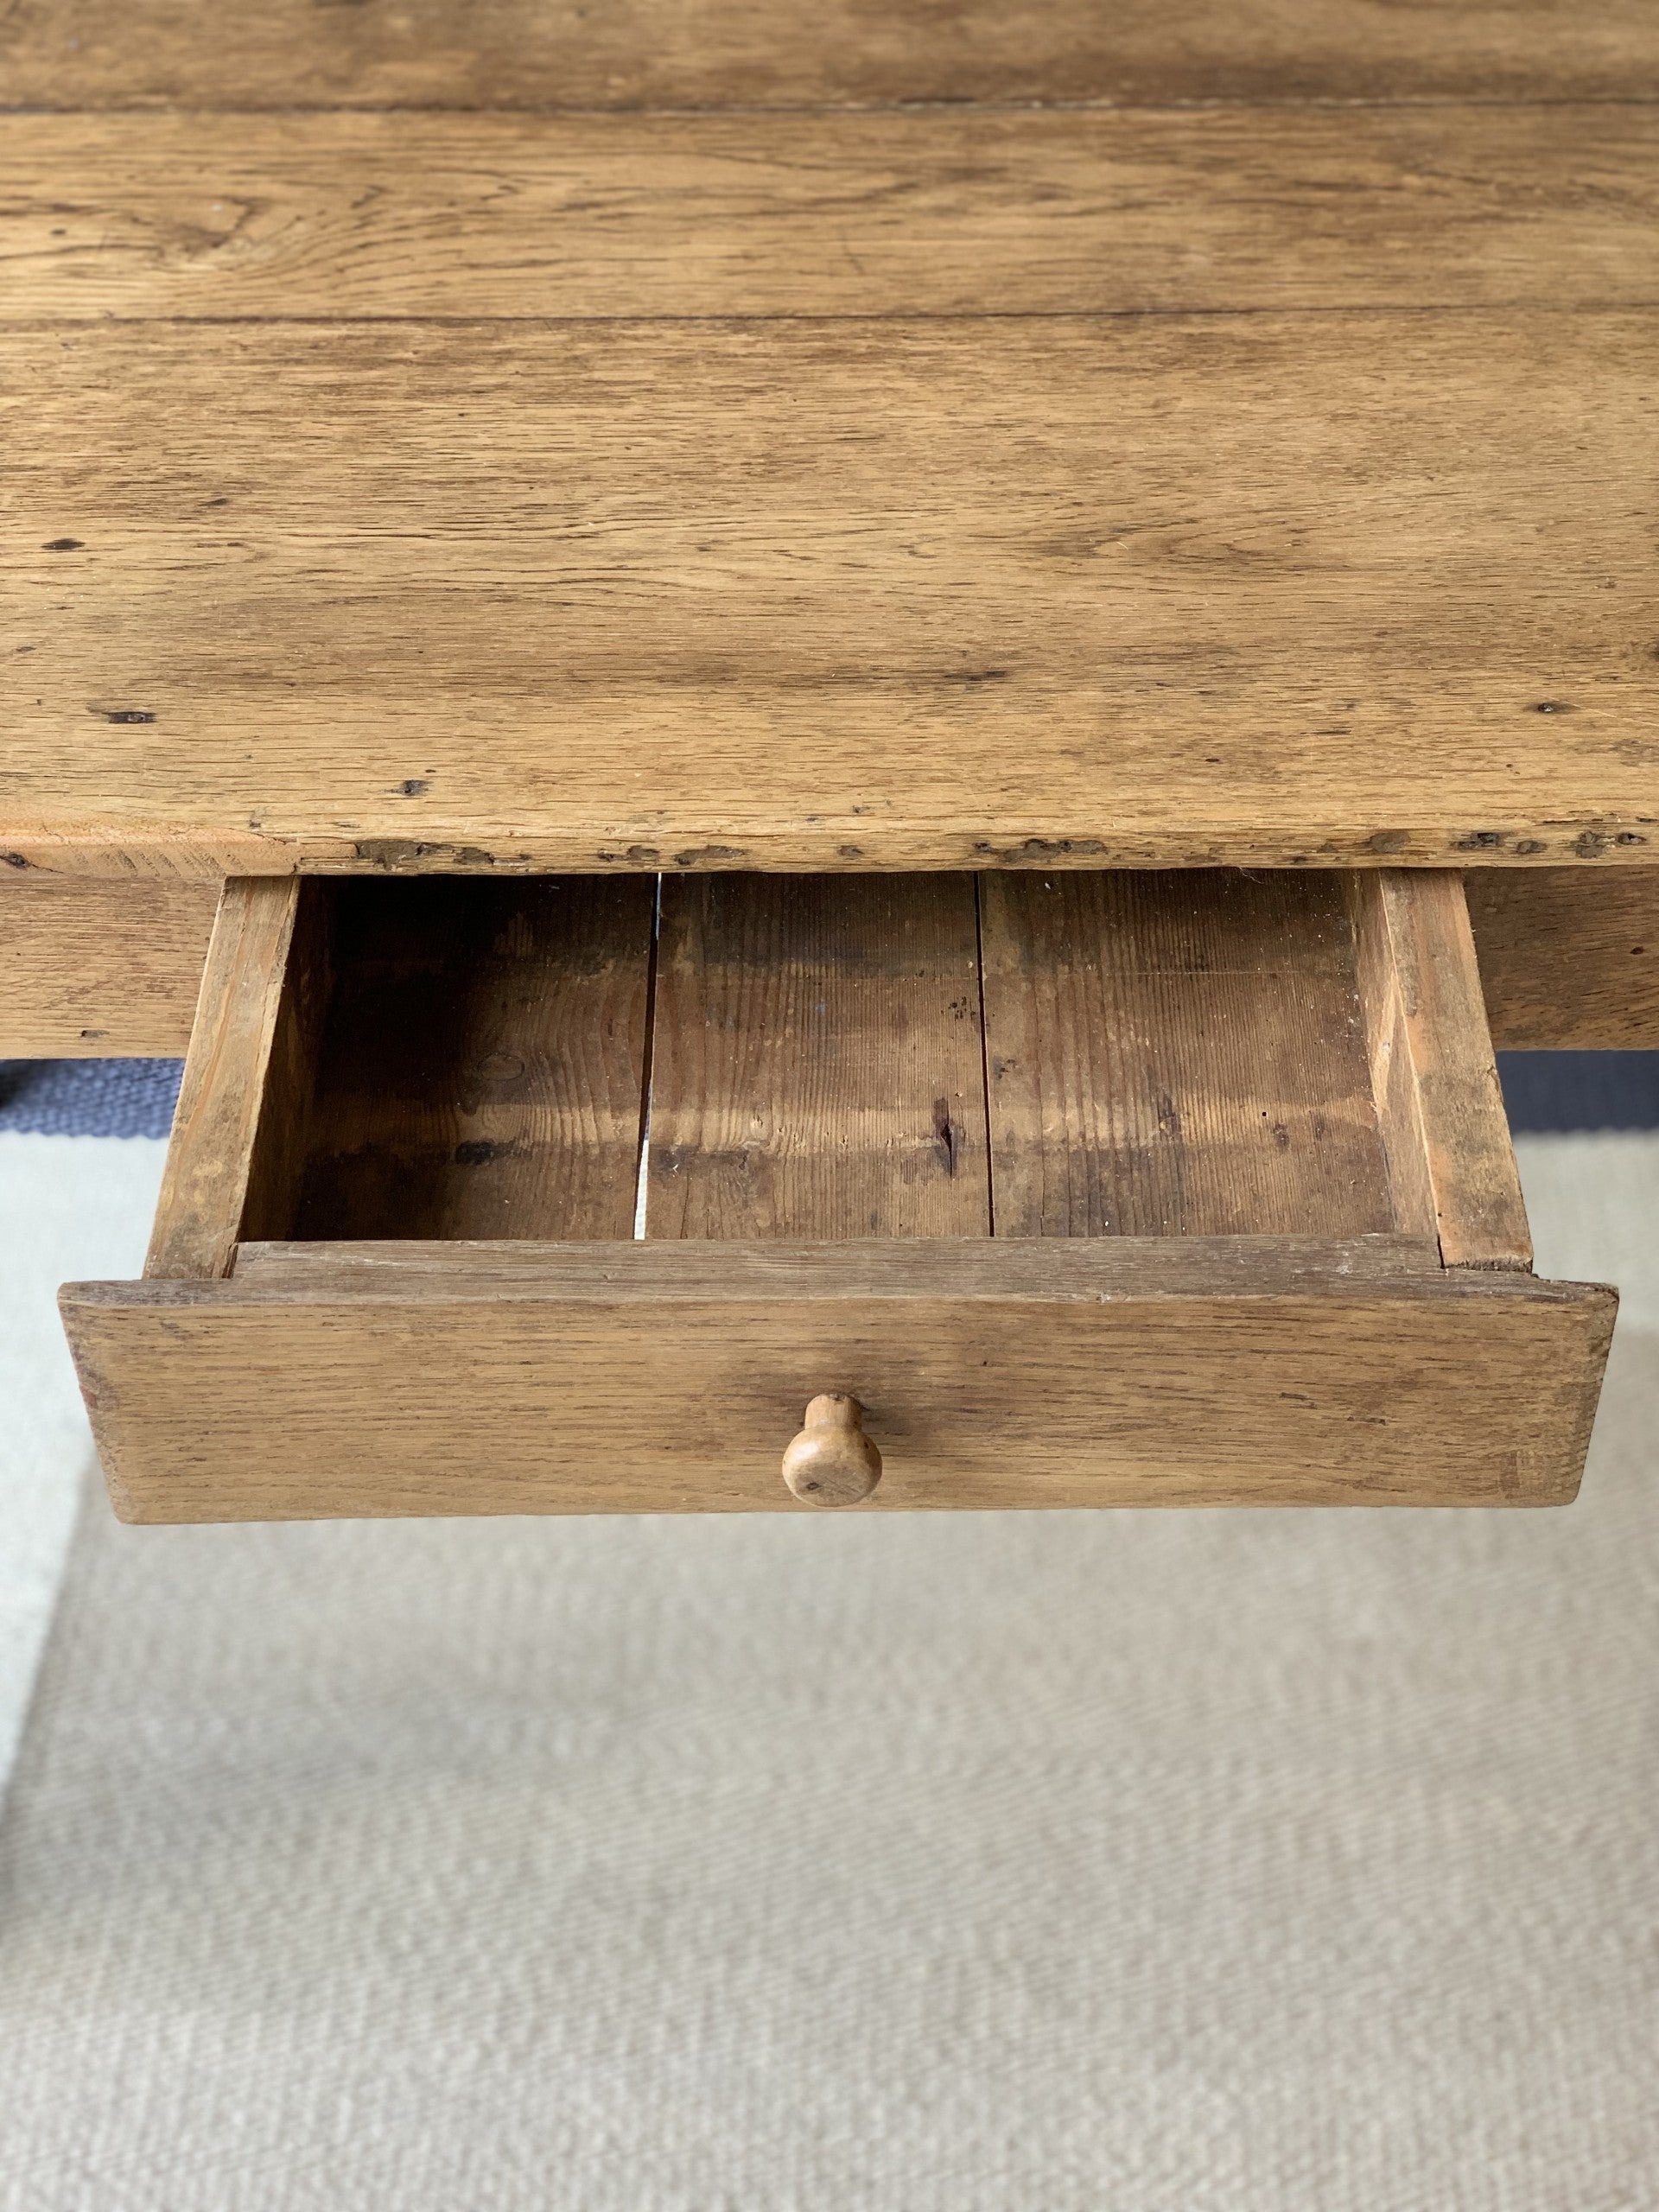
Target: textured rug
(69, 1207)
(1216, 1860)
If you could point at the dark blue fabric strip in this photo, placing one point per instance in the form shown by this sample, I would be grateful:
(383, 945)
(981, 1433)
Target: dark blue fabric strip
(89, 1098)
(1549, 1092)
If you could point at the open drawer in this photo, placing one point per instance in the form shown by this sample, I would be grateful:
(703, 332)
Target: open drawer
(567, 1195)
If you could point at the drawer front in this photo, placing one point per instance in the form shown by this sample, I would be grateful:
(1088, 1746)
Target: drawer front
(621, 1381)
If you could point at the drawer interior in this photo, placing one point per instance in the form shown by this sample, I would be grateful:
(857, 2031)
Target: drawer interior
(1192, 1054)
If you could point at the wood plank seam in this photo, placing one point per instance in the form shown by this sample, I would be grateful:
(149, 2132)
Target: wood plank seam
(642, 1178)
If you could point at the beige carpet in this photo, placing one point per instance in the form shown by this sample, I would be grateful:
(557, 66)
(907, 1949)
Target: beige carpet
(1231, 1861)
(69, 1207)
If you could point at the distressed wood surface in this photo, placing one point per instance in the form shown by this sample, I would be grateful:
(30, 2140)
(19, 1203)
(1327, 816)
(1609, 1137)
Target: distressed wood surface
(481, 1073)
(103, 967)
(697, 1270)
(816, 1068)
(950, 212)
(1569, 957)
(1394, 1089)
(1161, 590)
(481, 53)
(1439, 1100)
(1004, 581)
(288, 1080)
(99, 968)
(222, 1096)
(209, 1403)
(1246, 460)
(1177, 1054)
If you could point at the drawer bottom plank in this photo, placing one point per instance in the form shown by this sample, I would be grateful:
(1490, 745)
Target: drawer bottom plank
(623, 1390)
(816, 1066)
(1177, 1053)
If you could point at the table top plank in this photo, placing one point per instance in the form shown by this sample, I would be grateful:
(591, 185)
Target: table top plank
(633, 53)
(1101, 211)
(1148, 590)
(689, 434)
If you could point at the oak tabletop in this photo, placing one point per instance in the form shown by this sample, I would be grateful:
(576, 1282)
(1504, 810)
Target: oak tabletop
(694, 434)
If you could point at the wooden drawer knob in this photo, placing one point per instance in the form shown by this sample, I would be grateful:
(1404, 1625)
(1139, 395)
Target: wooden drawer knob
(832, 1462)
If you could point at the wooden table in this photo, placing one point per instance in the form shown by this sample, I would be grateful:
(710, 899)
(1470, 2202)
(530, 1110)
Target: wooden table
(980, 459)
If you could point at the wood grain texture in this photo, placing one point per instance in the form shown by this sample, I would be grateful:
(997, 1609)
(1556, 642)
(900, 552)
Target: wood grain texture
(95, 967)
(73, 54)
(1330, 589)
(1569, 957)
(1177, 1054)
(287, 1083)
(816, 1068)
(481, 1069)
(832, 1462)
(1393, 1072)
(944, 213)
(209, 1403)
(205, 1184)
(1439, 1100)
(696, 1271)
